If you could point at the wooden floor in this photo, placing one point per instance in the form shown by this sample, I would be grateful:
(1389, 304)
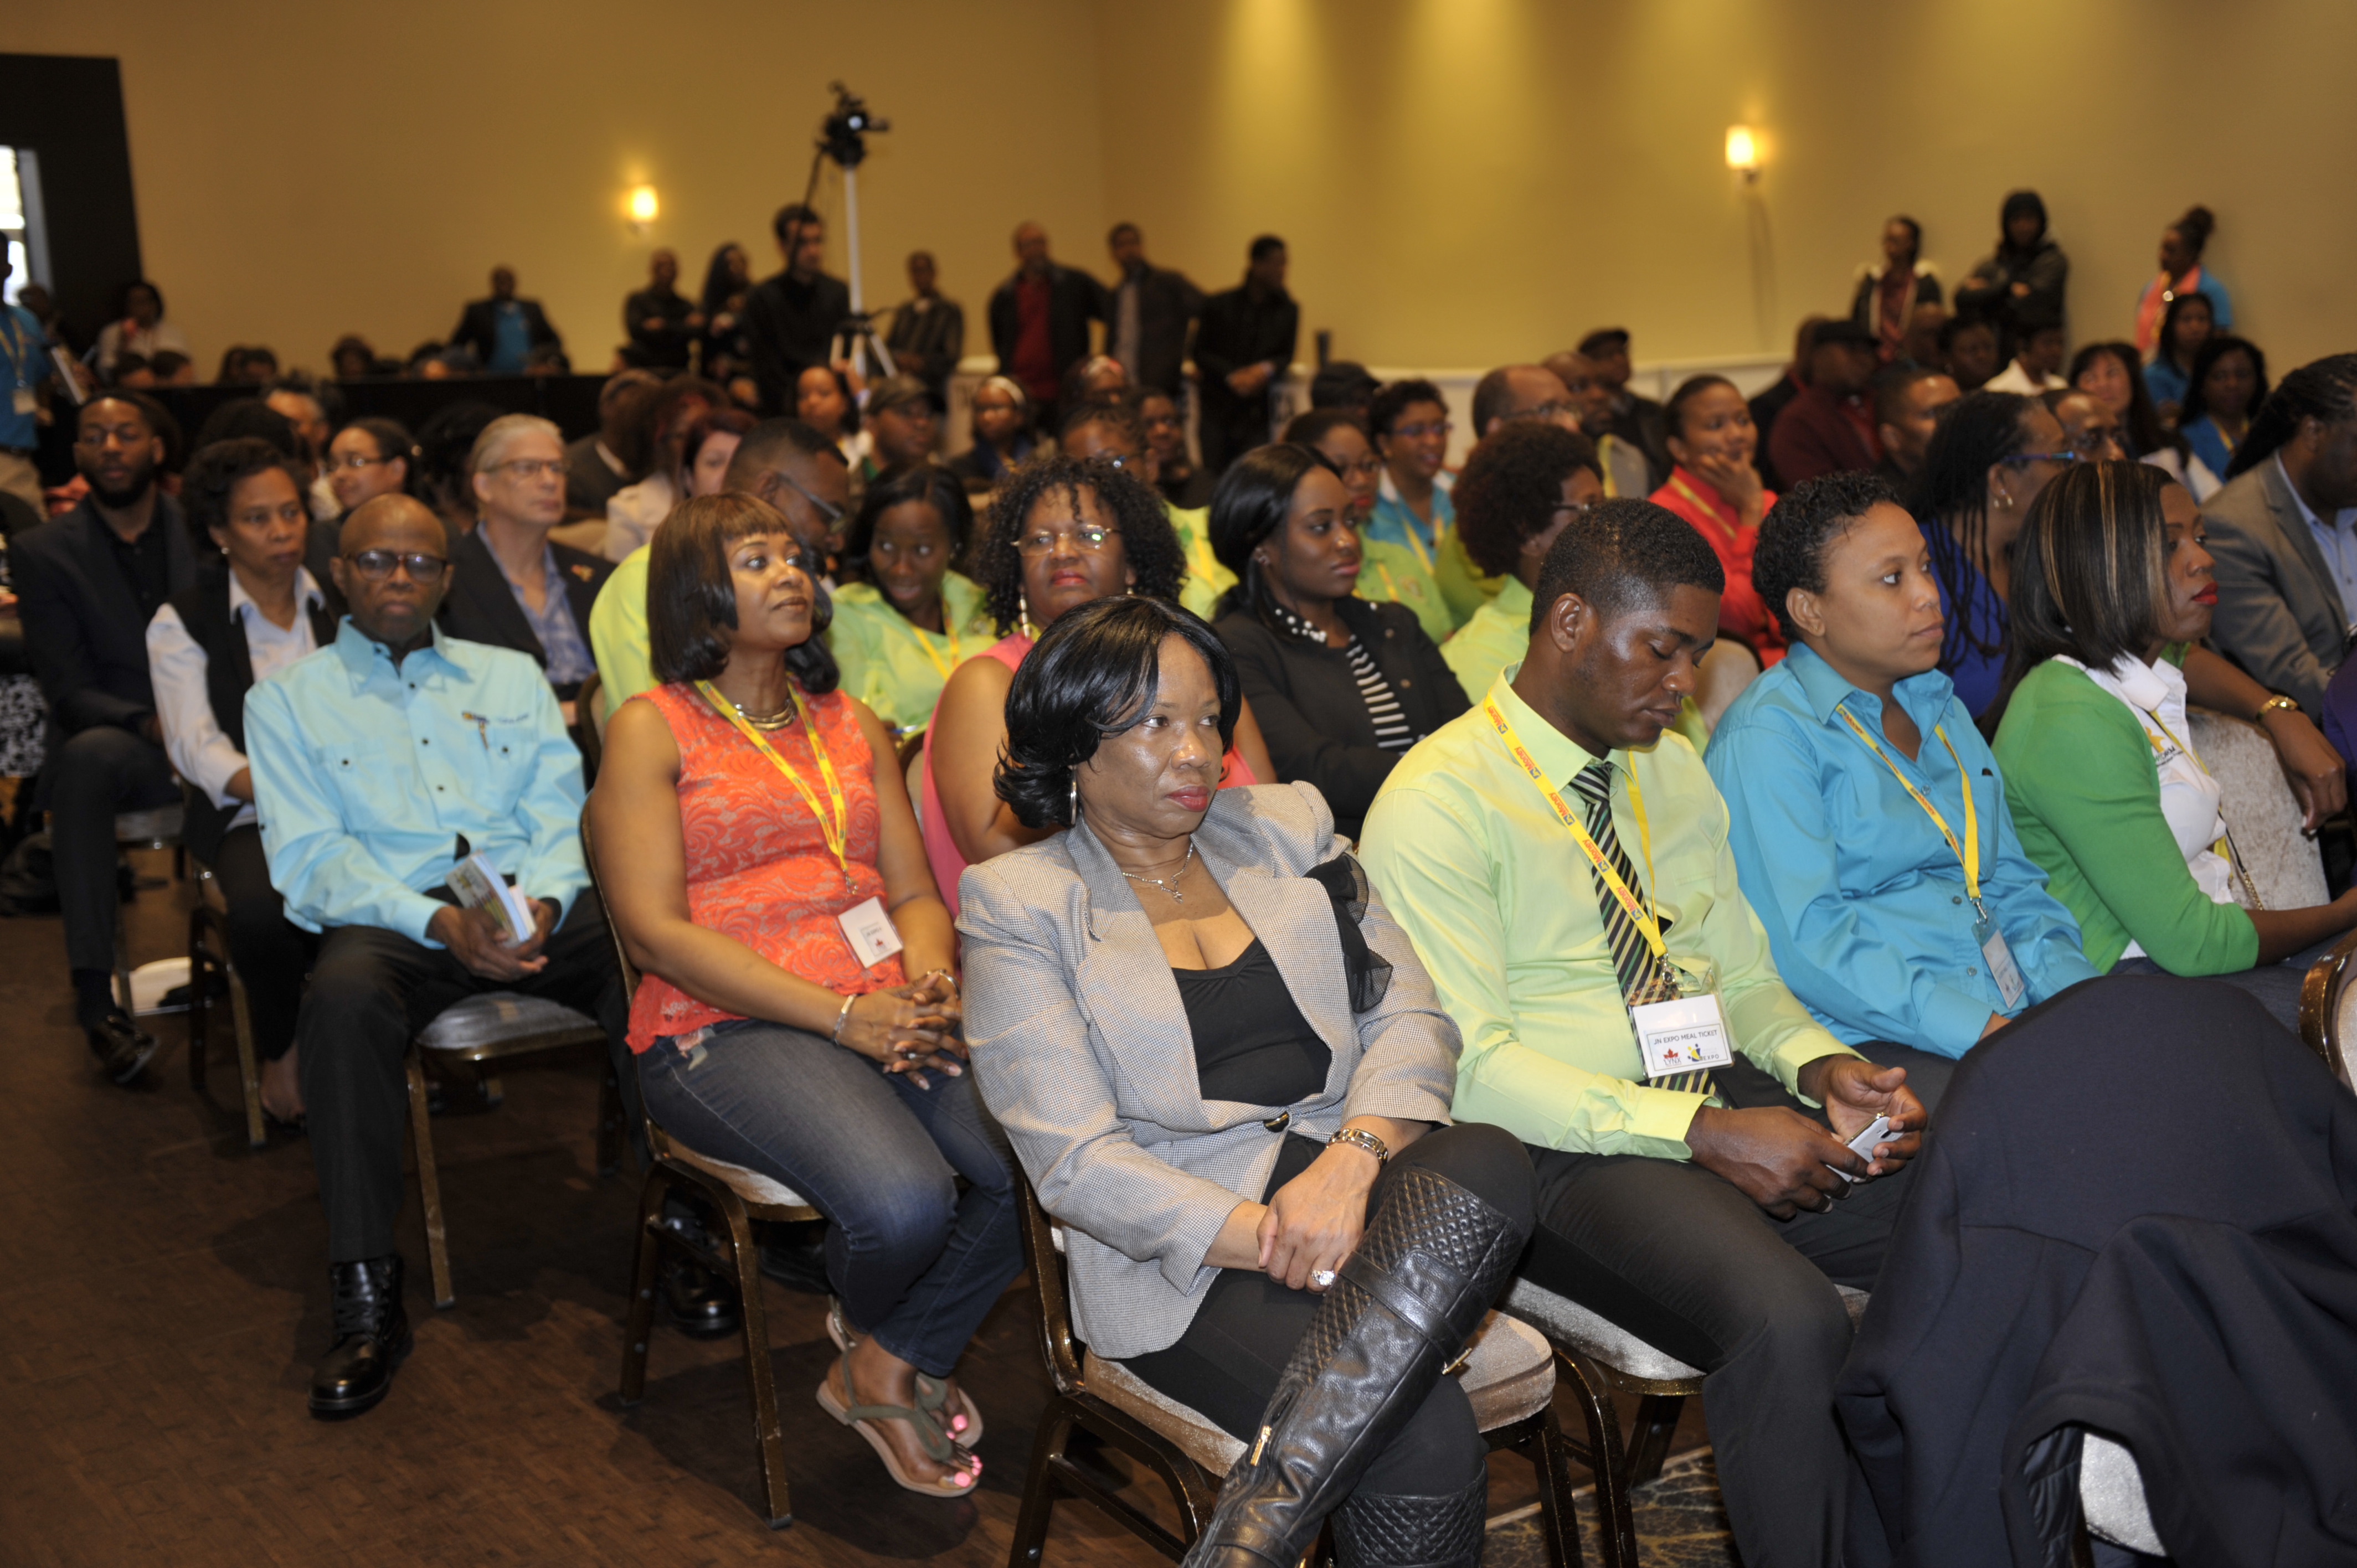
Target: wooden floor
(162, 1294)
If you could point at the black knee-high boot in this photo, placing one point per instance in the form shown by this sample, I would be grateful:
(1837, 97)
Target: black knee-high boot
(1387, 1532)
(1431, 1262)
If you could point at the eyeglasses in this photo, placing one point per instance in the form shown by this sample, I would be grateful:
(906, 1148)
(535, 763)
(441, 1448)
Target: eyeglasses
(829, 513)
(1088, 537)
(531, 468)
(354, 460)
(1574, 510)
(1418, 432)
(2065, 455)
(1363, 467)
(377, 565)
(1545, 411)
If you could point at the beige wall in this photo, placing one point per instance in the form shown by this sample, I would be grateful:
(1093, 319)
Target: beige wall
(303, 169)
(1463, 182)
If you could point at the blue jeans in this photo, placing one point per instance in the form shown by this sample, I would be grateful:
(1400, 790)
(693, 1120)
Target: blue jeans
(2277, 985)
(915, 1265)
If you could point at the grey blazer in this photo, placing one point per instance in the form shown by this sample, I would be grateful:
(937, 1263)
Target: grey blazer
(1082, 1051)
(2280, 612)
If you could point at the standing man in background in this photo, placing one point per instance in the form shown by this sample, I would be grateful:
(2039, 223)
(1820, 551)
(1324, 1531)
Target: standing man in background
(1152, 307)
(1241, 348)
(1039, 320)
(1637, 420)
(790, 319)
(928, 336)
(503, 331)
(659, 319)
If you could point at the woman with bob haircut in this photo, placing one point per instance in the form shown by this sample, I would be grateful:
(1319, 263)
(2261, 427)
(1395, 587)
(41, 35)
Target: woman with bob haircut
(765, 874)
(901, 631)
(1342, 687)
(1063, 532)
(1180, 973)
(2112, 588)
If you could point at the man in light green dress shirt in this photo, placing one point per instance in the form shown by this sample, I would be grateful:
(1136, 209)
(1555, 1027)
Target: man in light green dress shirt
(1706, 1222)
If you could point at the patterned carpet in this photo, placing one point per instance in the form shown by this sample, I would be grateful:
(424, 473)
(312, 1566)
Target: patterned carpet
(1679, 1523)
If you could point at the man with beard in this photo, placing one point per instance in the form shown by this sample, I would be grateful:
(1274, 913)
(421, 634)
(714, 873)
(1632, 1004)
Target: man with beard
(90, 582)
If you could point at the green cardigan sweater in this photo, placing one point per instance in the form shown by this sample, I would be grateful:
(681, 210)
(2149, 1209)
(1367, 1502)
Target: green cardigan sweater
(2085, 794)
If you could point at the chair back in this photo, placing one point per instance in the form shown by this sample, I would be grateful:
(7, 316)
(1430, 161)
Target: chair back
(657, 1144)
(2285, 866)
(2327, 1009)
(1045, 1262)
(589, 725)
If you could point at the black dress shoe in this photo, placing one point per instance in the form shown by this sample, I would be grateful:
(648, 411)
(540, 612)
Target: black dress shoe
(120, 1046)
(794, 1253)
(702, 1305)
(371, 1339)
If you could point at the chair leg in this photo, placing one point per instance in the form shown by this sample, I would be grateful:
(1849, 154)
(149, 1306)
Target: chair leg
(199, 986)
(644, 1266)
(1041, 1489)
(745, 1260)
(1648, 1439)
(249, 1071)
(1558, 1516)
(123, 966)
(1616, 1525)
(429, 1187)
(610, 1124)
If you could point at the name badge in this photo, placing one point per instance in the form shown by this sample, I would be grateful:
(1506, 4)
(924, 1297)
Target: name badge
(2001, 967)
(870, 931)
(1685, 1032)
(23, 400)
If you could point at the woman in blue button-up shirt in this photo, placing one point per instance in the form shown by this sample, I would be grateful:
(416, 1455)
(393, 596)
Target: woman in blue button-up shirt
(1867, 903)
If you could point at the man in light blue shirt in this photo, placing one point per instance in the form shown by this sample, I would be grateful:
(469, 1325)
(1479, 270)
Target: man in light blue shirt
(379, 761)
(1876, 922)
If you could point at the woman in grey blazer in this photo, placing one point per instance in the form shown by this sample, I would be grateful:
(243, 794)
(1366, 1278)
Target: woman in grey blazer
(1226, 1072)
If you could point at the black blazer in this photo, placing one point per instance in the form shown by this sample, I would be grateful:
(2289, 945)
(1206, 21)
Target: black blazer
(203, 608)
(481, 608)
(83, 625)
(478, 326)
(1288, 679)
(1237, 330)
(1167, 304)
(1074, 299)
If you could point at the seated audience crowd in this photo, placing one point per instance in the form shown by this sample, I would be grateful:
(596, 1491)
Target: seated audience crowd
(1340, 882)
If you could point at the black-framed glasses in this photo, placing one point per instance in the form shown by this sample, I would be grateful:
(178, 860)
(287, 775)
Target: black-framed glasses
(828, 512)
(2065, 455)
(1573, 510)
(377, 565)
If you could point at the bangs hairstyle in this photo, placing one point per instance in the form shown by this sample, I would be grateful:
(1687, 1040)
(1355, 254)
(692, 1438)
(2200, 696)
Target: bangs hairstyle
(1623, 554)
(1512, 488)
(1095, 674)
(2089, 570)
(691, 593)
(1805, 520)
(926, 482)
(1147, 544)
(218, 469)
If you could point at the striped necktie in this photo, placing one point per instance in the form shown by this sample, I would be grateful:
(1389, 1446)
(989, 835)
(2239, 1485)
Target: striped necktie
(1643, 977)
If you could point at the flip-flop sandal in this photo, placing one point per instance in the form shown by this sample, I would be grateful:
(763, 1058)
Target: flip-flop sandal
(839, 1329)
(933, 1396)
(936, 1443)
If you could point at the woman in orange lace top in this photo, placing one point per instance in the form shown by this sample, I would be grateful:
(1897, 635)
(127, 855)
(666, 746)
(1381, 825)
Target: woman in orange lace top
(766, 874)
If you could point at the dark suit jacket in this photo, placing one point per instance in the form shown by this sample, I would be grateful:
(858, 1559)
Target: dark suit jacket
(83, 625)
(1237, 330)
(1766, 410)
(481, 608)
(1307, 704)
(1074, 299)
(1644, 425)
(788, 328)
(1167, 304)
(478, 326)
(2280, 612)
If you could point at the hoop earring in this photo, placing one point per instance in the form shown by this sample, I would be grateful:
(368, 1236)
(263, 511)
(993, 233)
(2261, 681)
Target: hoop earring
(1023, 613)
(1073, 805)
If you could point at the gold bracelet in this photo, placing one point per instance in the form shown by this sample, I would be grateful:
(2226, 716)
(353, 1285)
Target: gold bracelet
(835, 1035)
(2271, 705)
(1359, 1137)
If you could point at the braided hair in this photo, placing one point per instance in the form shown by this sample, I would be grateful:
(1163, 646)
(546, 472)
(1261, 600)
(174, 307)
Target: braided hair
(1977, 431)
(2323, 390)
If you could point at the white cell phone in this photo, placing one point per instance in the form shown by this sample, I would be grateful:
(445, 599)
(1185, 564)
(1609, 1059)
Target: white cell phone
(1863, 1145)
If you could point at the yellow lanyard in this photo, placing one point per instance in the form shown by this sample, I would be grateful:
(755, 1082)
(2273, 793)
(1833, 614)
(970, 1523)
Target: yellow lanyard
(836, 832)
(1640, 915)
(1391, 589)
(917, 635)
(1423, 556)
(1969, 853)
(2225, 847)
(1678, 483)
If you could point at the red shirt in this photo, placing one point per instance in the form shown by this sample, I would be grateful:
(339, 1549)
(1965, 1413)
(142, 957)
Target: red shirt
(1742, 613)
(1818, 433)
(1035, 349)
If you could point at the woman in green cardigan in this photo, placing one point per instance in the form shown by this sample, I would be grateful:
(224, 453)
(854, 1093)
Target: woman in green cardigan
(2112, 590)
(900, 630)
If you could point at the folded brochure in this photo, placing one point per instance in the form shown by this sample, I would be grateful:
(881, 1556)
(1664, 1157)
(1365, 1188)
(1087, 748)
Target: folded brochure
(479, 886)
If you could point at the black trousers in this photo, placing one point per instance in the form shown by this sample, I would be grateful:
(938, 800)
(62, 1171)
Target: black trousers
(371, 990)
(1227, 1363)
(95, 775)
(1682, 1259)
(1229, 427)
(271, 953)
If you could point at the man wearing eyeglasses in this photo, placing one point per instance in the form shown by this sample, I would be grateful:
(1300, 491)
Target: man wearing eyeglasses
(511, 585)
(378, 762)
(1514, 393)
(89, 583)
(785, 463)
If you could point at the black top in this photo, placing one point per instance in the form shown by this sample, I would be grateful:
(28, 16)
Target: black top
(1236, 330)
(1251, 1043)
(790, 325)
(85, 622)
(146, 568)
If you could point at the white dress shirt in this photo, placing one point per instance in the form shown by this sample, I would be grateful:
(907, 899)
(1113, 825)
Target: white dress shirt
(2014, 378)
(2190, 797)
(193, 739)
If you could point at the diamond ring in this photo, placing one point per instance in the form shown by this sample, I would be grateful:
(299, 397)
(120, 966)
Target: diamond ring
(1323, 1279)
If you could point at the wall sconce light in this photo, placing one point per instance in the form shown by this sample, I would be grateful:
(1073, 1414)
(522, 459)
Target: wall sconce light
(1743, 152)
(643, 207)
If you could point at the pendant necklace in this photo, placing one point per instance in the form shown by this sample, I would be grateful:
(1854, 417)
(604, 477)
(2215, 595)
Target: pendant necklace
(1171, 885)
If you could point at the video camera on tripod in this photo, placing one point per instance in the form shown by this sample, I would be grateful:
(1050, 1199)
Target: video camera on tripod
(843, 137)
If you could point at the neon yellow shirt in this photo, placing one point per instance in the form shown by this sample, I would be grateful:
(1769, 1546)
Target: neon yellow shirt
(892, 665)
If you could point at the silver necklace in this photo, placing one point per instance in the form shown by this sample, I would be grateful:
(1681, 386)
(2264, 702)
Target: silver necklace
(1170, 886)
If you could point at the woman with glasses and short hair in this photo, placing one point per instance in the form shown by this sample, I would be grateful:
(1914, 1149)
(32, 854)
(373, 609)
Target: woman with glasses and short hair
(799, 1010)
(1341, 687)
(1063, 532)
